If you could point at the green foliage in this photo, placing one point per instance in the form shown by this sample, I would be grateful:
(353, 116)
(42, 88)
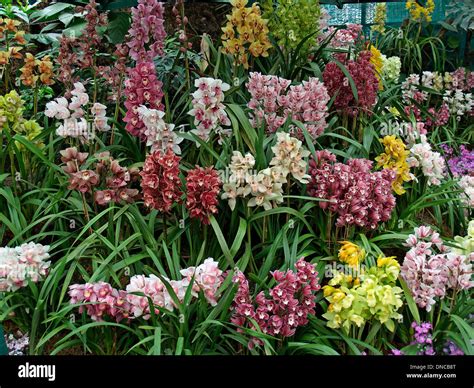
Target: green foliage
(462, 14)
(419, 49)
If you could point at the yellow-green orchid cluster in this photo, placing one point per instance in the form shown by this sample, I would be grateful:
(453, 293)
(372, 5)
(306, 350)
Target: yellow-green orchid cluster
(371, 296)
(351, 254)
(465, 243)
(11, 118)
(387, 269)
(291, 21)
(11, 109)
(391, 67)
(379, 18)
(30, 130)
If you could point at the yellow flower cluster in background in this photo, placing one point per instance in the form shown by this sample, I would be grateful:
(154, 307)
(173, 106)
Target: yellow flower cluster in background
(351, 254)
(419, 13)
(10, 26)
(9, 32)
(395, 158)
(246, 32)
(35, 69)
(376, 60)
(379, 18)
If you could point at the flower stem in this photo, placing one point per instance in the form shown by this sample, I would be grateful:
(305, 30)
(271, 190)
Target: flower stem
(35, 101)
(117, 110)
(7, 67)
(12, 160)
(288, 189)
(328, 230)
(264, 229)
(12, 169)
(165, 229)
(86, 211)
(95, 82)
